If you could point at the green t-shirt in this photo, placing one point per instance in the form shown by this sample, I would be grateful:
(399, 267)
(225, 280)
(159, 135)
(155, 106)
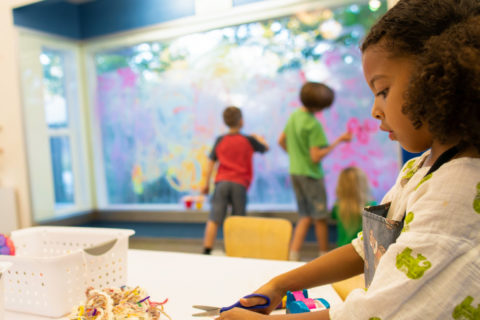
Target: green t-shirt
(303, 131)
(343, 236)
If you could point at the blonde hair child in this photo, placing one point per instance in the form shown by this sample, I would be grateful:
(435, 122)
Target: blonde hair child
(353, 194)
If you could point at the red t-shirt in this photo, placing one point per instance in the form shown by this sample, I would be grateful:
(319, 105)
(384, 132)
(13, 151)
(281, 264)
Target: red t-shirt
(234, 153)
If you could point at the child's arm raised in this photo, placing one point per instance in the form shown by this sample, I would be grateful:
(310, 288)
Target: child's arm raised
(261, 140)
(318, 153)
(282, 141)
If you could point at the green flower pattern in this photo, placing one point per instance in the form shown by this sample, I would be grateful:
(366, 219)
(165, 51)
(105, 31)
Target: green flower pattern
(410, 169)
(476, 200)
(414, 268)
(409, 165)
(408, 218)
(465, 310)
(427, 177)
(375, 318)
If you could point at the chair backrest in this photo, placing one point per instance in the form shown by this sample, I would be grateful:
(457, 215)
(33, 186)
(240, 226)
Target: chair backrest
(344, 287)
(255, 237)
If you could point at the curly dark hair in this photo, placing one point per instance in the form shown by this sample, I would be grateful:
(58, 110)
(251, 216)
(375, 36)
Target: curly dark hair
(443, 38)
(232, 116)
(316, 96)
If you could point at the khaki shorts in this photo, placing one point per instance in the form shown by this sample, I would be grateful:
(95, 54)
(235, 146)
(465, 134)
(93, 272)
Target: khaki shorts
(311, 196)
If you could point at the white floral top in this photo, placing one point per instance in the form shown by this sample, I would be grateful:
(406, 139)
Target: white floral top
(433, 269)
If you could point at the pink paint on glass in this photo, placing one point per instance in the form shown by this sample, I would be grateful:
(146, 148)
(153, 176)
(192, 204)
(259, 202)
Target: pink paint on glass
(361, 131)
(129, 78)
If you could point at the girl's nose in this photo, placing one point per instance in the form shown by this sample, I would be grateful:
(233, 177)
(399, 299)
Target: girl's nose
(376, 112)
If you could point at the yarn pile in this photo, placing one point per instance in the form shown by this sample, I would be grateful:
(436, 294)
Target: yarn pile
(118, 304)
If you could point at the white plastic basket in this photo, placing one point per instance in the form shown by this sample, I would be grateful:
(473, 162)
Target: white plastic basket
(53, 266)
(3, 267)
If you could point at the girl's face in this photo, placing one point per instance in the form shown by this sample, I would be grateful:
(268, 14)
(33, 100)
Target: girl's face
(388, 79)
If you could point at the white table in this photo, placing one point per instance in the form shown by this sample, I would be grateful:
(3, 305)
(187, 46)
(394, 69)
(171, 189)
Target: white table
(188, 279)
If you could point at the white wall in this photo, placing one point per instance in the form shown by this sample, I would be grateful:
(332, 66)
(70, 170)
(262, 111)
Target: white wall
(13, 159)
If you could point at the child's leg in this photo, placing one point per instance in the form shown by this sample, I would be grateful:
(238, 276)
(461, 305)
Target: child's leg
(303, 223)
(239, 199)
(218, 211)
(210, 235)
(299, 235)
(321, 231)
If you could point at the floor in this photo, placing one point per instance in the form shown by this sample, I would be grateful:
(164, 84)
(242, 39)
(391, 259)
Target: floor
(308, 252)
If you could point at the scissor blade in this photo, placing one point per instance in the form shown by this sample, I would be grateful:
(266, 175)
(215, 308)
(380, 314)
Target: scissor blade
(210, 313)
(205, 308)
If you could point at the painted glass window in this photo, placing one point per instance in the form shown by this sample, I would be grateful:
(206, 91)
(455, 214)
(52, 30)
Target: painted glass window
(159, 104)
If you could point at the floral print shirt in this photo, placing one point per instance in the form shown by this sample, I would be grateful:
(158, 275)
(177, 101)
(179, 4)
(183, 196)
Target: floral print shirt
(432, 271)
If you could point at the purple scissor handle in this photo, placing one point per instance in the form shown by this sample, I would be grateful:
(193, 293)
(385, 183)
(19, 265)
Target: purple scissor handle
(253, 295)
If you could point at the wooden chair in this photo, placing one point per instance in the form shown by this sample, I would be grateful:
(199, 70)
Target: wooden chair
(344, 287)
(255, 237)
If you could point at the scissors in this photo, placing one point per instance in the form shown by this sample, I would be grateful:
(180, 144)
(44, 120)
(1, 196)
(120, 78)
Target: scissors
(213, 311)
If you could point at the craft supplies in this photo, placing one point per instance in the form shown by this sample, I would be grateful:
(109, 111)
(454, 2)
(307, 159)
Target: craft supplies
(53, 266)
(118, 303)
(299, 302)
(6, 245)
(208, 311)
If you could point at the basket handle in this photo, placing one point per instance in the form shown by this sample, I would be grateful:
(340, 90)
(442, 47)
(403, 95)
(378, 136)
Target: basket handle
(101, 248)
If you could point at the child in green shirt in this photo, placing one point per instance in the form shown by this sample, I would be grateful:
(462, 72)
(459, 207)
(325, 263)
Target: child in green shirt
(306, 144)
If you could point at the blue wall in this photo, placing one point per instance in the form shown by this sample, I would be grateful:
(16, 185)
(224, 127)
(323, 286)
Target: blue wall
(100, 17)
(408, 155)
(110, 16)
(52, 16)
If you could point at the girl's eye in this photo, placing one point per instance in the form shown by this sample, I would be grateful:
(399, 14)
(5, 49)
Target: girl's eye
(383, 93)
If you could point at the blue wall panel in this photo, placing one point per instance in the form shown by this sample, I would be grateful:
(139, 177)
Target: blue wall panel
(100, 17)
(103, 17)
(57, 17)
(408, 155)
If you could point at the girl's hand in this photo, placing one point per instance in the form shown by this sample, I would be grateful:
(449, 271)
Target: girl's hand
(268, 290)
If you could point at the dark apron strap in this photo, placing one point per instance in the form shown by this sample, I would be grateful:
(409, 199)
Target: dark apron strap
(444, 158)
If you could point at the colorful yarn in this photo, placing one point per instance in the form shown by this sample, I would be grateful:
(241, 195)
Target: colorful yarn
(118, 303)
(6, 246)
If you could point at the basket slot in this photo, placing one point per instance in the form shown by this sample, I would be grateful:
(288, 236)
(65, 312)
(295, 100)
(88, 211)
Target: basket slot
(101, 248)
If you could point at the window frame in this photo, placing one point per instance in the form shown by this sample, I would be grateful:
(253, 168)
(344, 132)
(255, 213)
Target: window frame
(38, 134)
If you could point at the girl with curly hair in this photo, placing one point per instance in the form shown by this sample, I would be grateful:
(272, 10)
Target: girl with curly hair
(422, 63)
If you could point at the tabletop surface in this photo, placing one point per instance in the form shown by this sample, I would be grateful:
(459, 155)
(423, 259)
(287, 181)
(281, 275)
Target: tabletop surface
(189, 279)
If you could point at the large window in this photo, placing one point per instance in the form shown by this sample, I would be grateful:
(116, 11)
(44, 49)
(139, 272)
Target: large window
(158, 104)
(55, 128)
(59, 129)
